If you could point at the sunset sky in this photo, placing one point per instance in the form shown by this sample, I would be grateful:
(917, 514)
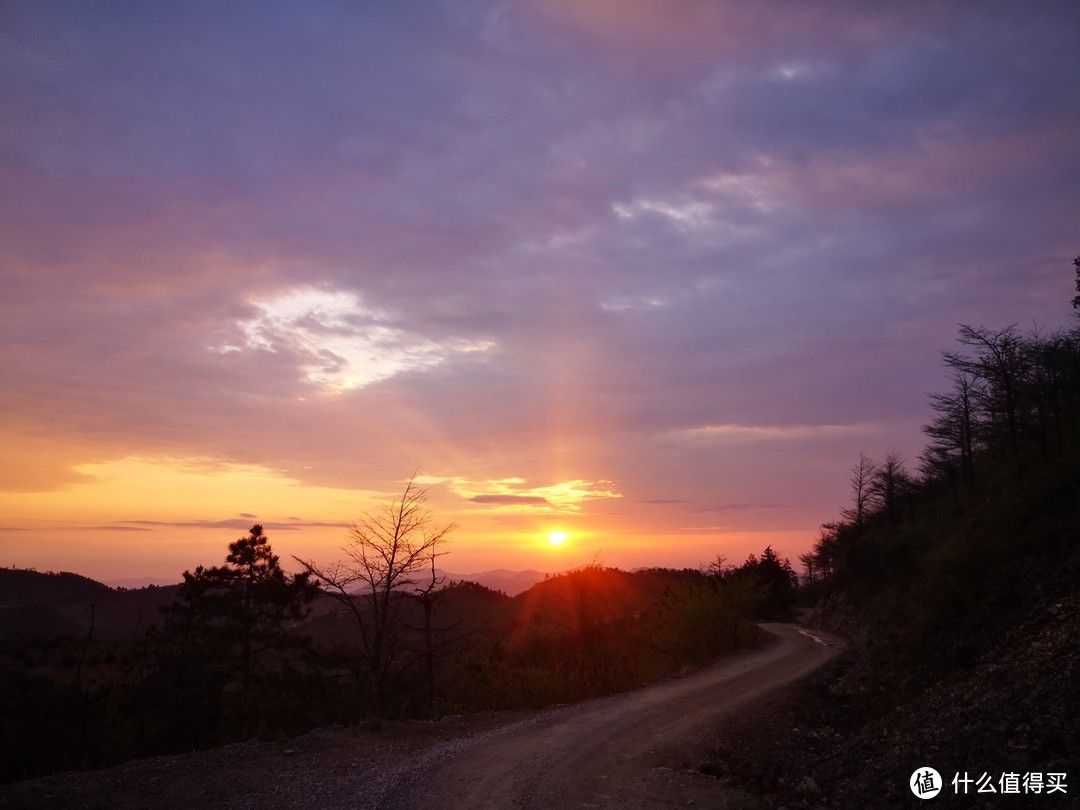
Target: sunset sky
(651, 274)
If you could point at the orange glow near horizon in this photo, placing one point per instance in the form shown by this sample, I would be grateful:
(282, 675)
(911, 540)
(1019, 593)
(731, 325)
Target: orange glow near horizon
(145, 517)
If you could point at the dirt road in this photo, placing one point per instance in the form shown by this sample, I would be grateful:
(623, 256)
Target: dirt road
(635, 750)
(626, 751)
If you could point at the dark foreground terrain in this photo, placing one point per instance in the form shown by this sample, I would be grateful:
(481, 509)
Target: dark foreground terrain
(642, 749)
(832, 737)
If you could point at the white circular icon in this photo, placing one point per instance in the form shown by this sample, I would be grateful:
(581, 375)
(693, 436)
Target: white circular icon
(925, 783)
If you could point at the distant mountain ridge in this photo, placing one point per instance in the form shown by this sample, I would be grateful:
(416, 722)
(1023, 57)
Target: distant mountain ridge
(59, 603)
(66, 604)
(500, 579)
(141, 582)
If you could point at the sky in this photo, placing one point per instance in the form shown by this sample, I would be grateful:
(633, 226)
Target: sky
(651, 274)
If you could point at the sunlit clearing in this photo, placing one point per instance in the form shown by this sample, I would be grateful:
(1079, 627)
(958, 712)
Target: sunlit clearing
(557, 538)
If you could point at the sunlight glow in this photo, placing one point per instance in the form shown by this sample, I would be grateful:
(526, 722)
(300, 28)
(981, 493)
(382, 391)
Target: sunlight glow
(167, 487)
(557, 538)
(155, 516)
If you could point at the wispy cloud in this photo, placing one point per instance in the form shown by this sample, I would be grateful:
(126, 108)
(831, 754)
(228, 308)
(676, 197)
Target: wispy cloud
(511, 500)
(227, 523)
(514, 494)
(756, 433)
(728, 508)
(340, 342)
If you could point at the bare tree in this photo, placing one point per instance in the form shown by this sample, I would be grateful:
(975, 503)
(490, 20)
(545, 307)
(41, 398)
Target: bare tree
(1001, 367)
(385, 552)
(428, 596)
(830, 546)
(862, 478)
(718, 568)
(953, 431)
(890, 484)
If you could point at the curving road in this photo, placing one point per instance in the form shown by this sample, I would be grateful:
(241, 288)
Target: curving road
(622, 751)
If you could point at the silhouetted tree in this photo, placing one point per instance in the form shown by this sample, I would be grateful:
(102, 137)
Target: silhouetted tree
(1053, 386)
(718, 568)
(1076, 299)
(384, 553)
(248, 603)
(428, 597)
(890, 485)
(1000, 365)
(702, 618)
(226, 644)
(952, 433)
(775, 577)
(862, 477)
(828, 549)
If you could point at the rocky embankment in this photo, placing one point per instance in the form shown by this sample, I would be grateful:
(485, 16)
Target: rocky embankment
(850, 737)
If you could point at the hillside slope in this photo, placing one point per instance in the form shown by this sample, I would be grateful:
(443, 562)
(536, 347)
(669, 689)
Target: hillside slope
(960, 595)
(850, 737)
(41, 605)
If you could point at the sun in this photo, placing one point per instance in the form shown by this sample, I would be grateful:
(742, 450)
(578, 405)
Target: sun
(557, 538)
